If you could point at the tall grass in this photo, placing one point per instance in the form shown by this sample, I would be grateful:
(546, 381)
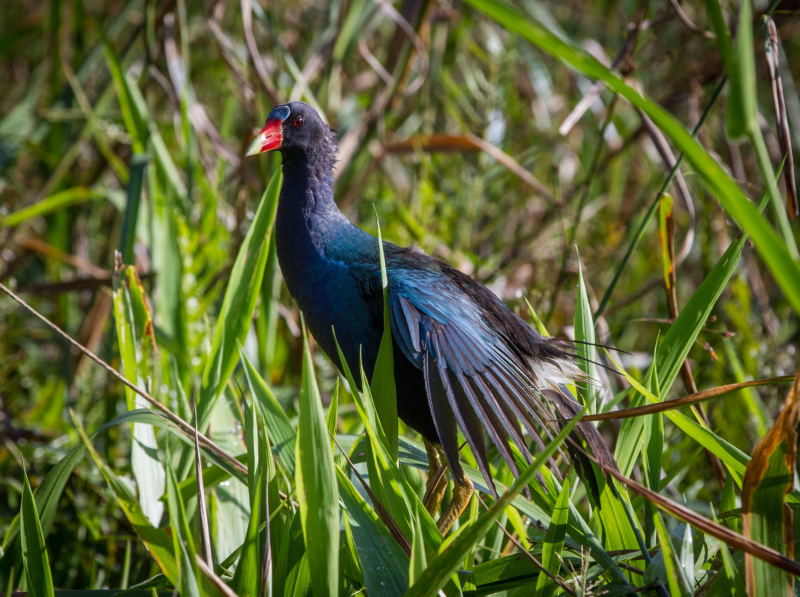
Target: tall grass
(219, 452)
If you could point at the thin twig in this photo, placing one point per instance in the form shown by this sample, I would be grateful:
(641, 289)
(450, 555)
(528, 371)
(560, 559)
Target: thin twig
(187, 429)
(689, 399)
(380, 509)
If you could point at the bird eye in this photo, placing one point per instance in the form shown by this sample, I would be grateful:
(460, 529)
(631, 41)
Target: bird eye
(297, 122)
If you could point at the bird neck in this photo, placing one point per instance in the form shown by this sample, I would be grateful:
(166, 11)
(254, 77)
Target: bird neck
(308, 220)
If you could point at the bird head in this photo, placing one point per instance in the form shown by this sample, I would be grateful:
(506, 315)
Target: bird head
(293, 126)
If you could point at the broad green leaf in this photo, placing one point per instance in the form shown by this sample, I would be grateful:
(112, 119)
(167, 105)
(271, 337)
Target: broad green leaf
(239, 302)
(317, 490)
(585, 347)
(182, 543)
(281, 431)
(34, 553)
(382, 384)
(418, 560)
(619, 529)
(554, 543)
(383, 563)
(136, 343)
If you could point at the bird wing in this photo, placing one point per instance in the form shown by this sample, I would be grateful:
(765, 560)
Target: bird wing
(473, 375)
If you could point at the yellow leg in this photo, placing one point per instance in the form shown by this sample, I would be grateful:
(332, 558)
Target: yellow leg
(461, 497)
(437, 479)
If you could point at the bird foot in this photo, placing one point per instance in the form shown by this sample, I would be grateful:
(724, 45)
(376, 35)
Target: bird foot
(437, 480)
(436, 487)
(459, 503)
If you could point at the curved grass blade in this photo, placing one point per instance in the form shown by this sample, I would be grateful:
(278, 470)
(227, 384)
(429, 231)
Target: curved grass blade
(554, 543)
(34, 554)
(56, 202)
(157, 541)
(448, 561)
(182, 543)
(383, 562)
(239, 302)
(281, 431)
(317, 490)
(382, 384)
(586, 350)
(734, 459)
(47, 497)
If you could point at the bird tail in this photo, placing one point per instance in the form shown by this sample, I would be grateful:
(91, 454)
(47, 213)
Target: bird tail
(584, 435)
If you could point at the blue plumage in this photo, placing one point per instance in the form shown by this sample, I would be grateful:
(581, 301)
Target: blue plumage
(462, 358)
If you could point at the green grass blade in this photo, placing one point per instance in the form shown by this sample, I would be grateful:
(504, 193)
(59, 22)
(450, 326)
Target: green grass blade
(676, 345)
(735, 459)
(47, 497)
(383, 563)
(317, 490)
(34, 553)
(239, 302)
(745, 117)
(182, 542)
(554, 543)
(57, 202)
(134, 121)
(448, 561)
(733, 579)
(738, 114)
(386, 478)
(247, 579)
(586, 350)
(281, 430)
(157, 541)
(332, 418)
(382, 384)
(675, 579)
(418, 560)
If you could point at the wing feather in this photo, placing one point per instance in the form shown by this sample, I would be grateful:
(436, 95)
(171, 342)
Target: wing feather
(477, 375)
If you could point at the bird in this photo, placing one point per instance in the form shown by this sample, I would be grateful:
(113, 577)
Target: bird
(462, 358)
